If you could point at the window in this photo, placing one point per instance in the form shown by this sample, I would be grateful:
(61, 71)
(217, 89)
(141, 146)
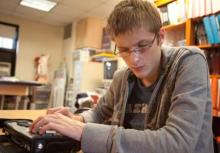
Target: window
(8, 36)
(6, 43)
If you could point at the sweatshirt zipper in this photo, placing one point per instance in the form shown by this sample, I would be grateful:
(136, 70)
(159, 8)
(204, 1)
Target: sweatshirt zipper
(124, 103)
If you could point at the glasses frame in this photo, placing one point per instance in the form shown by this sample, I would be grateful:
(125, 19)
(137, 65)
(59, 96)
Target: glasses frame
(136, 49)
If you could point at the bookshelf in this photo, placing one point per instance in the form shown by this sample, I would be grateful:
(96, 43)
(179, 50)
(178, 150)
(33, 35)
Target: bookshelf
(190, 30)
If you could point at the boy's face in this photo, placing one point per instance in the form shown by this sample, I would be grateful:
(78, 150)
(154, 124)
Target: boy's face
(141, 51)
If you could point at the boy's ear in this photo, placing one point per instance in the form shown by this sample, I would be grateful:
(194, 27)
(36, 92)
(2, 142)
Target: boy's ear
(161, 36)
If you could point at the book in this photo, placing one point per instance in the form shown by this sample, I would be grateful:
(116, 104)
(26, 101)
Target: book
(196, 8)
(172, 12)
(201, 38)
(214, 92)
(208, 30)
(215, 62)
(215, 6)
(164, 15)
(208, 7)
(218, 96)
(181, 10)
(215, 28)
(190, 8)
(218, 23)
(218, 16)
(202, 8)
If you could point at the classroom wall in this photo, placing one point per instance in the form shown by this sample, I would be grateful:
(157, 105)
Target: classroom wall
(68, 49)
(35, 39)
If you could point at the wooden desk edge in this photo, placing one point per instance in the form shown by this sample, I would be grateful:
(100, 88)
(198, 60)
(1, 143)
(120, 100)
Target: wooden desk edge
(21, 114)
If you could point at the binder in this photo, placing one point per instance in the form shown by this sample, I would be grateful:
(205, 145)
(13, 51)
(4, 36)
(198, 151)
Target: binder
(208, 7)
(214, 92)
(190, 8)
(218, 16)
(202, 7)
(218, 96)
(215, 29)
(164, 15)
(181, 6)
(218, 22)
(172, 12)
(208, 30)
(215, 6)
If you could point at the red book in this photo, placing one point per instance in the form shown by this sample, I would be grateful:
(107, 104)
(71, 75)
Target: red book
(214, 94)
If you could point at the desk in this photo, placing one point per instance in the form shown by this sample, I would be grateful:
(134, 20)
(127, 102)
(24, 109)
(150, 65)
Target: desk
(15, 88)
(21, 114)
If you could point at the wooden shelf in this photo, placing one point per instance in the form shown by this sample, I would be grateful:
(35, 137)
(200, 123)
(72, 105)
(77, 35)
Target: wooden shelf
(175, 26)
(160, 3)
(104, 56)
(214, 76)
(208, 46)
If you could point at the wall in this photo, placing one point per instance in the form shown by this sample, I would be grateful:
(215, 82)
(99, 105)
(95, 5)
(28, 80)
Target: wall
(36, 38)
(89, 32)
(68, 48)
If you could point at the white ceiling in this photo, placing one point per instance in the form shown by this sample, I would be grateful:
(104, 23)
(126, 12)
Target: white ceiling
(65, 12)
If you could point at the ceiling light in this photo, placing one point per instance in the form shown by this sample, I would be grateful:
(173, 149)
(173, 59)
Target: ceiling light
(44, 5)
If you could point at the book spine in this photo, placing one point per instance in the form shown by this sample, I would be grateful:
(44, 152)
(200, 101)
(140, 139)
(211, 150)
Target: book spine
(207, 24)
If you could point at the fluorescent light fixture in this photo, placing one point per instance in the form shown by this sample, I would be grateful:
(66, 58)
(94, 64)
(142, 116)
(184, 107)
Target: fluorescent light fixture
(43, 5)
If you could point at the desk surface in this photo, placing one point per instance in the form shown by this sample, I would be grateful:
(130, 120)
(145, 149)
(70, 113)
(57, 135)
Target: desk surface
(16, 87)
(21, 114)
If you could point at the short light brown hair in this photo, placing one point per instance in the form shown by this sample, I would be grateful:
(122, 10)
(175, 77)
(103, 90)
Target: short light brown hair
(132, 14)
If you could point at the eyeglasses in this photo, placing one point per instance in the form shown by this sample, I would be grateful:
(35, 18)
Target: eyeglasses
(141, 48)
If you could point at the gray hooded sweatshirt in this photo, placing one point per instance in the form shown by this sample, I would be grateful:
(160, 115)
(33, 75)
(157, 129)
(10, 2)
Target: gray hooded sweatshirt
(179, 118)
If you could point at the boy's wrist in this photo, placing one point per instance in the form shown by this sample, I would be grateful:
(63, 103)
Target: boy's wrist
(78, 118)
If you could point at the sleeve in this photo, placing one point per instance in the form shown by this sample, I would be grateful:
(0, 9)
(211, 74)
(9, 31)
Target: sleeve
(187, 114)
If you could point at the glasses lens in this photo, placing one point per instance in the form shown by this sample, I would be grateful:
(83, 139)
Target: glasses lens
(139, 49)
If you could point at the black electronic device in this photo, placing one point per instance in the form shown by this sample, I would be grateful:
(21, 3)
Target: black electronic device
(18, 132)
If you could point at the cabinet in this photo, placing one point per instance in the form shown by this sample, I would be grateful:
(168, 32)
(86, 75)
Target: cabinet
(89, 32)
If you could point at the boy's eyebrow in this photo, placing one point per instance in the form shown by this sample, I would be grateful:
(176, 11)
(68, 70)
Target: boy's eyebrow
(136, 44)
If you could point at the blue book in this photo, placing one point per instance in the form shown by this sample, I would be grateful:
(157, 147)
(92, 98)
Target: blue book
(218, 23)
(218, 16)
(208, 30)
(215, 28)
